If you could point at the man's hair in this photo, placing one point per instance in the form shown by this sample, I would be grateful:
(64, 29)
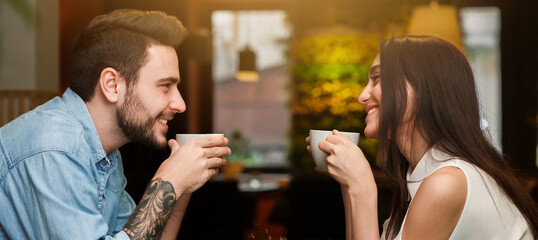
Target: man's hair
(120, 40)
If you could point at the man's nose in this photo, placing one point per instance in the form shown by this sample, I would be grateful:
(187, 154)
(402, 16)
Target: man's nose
(177, 104)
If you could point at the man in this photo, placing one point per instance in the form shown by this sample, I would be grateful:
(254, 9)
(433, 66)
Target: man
(61, 175)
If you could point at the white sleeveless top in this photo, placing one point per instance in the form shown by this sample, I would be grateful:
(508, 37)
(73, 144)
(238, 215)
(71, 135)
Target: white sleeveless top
(487, 214)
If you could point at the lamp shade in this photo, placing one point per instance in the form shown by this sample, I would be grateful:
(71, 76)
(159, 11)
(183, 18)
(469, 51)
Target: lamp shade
(247, 66)
(437, 20)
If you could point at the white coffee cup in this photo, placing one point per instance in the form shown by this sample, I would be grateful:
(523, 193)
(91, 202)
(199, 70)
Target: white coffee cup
(320, 156)
(182, 138)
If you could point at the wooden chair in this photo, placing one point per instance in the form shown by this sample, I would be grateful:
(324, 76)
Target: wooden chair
(15, 103)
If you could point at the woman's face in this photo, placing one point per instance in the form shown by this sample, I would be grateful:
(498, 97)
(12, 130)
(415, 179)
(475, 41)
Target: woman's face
(370, 97)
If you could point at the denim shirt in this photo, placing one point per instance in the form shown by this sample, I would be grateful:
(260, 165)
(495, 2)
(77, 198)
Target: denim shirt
(56, 181)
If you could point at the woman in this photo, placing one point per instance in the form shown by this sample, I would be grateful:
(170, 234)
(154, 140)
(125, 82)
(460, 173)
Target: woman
(449, 181)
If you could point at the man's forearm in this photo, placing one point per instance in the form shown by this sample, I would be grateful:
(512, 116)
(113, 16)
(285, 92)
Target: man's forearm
(151, 215)
(174, 222)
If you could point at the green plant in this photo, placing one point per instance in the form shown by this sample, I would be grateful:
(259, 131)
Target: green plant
(330, 73)
(239, 145)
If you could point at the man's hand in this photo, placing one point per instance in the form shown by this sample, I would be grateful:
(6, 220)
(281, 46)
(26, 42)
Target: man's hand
(191, 165)
(187, 169)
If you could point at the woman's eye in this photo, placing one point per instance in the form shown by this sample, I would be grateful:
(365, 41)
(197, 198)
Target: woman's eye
(375, 78)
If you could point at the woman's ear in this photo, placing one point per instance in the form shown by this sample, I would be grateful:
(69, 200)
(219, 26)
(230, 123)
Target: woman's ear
(110, 84)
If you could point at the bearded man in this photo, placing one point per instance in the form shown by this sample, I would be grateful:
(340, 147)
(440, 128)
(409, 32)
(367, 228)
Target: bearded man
(61, 174)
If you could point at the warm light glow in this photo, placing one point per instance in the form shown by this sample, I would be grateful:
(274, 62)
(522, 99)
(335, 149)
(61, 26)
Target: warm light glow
(437, 20)
(247, 66)
(247, 76)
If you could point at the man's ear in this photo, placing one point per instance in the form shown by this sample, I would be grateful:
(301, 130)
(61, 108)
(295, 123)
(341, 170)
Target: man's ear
(110, 84)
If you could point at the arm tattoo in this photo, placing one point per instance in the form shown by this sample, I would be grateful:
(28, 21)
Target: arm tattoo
(150, 216)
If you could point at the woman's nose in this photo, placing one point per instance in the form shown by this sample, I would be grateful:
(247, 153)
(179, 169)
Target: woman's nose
(364, 96)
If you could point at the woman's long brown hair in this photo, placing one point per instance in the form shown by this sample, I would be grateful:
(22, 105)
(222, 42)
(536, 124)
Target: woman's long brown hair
(446, 112)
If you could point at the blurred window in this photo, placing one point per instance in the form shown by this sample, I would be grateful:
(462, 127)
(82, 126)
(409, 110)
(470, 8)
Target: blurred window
(254, 116)
(481, 29)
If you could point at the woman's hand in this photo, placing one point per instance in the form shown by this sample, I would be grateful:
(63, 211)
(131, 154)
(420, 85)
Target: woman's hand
(346, 162)
(348, 165)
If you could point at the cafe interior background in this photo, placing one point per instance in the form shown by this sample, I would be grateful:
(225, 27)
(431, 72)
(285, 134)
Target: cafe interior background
(265, 72)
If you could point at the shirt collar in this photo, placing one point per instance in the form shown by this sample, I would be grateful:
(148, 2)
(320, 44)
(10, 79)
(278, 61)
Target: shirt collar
(427, 164)
(80, 112)
(430, 162)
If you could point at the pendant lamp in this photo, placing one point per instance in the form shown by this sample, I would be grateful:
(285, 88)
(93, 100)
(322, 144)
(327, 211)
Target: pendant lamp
(441, 21)
(247, 66)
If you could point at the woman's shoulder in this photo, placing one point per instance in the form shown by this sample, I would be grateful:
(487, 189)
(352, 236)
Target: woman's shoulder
(438, 204)
(447, 181)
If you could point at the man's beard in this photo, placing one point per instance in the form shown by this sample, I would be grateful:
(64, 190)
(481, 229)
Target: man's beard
(137, 123)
